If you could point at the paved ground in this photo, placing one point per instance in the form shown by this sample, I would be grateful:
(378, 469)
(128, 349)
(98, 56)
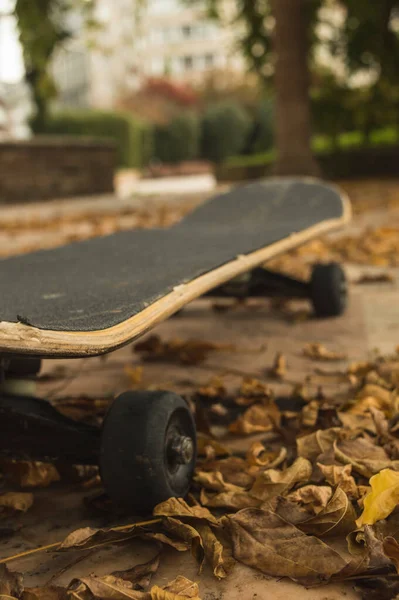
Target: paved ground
(256, 332)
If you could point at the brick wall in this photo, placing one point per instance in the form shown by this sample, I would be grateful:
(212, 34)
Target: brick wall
(55, 167)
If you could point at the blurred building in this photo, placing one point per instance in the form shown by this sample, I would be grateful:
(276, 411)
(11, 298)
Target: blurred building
(129, 44)
(180, 41)
(15, 109)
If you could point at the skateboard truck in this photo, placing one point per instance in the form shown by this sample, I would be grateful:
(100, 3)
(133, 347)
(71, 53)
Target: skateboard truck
(326, 289)
(146, 448)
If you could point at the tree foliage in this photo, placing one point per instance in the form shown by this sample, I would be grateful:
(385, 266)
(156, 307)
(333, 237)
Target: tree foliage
(41, 29)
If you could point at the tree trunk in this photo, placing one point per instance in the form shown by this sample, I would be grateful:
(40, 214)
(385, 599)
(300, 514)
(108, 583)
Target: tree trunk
(293, 120)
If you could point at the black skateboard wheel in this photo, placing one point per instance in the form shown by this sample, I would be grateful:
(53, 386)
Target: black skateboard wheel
(328, 290)
(148, 450)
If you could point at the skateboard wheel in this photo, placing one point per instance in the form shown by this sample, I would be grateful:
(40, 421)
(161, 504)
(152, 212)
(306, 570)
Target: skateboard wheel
(148, 450)
(328, 290)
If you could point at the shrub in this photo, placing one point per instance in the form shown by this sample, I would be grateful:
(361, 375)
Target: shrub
(178, 140)
(261, 138)
(225, 131)
(131, 136)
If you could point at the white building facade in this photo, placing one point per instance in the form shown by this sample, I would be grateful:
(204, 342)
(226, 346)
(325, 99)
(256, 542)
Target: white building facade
(133, 41)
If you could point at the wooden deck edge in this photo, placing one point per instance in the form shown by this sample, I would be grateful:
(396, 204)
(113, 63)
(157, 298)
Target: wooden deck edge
(20, 339)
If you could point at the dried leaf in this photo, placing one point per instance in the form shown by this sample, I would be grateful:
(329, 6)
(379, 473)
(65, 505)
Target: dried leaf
(320, 352)
(214, 481)
(266, 542)
(233, 469)
(88, 537)
(177, 507)
(365, 457)
(338, 517)
(391, 550)
(337, 475)
(312, 445)
(140, 575)
(257, 418)
(317, 496)
(135, 374)
(229, 500)
(186, 352)
(47, 593)
(272, 483)
(258, 456)
(29, 473)
(366, 278)
(210, 448)
(178, 589)
(310, 414)
(107, 587)
(11, 584)
(279, 368)
(15, 502)
(382, 499)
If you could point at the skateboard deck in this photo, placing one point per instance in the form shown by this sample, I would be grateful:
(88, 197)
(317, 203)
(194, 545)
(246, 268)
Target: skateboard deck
(91, 297)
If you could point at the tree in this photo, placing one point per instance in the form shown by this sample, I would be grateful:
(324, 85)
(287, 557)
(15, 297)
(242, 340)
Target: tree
(42, 26)
(278, 33)
(41, 29)
(369, 44)
(291, 79)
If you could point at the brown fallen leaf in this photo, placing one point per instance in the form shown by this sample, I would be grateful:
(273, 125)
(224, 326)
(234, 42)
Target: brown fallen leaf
(214, 481)
(391, 550)
(367, 278)
(279, 368)
(107, 587)
(272, 483)
(186, 352)
(229, 500)
(253, 389)
(178, 589)
(310, 414)
(11, 584)
(135, 374)
(336, 475)
(319, 352)
(29, 473)
(258, 456)
(337, 517)
(88, 538)
(257, 418)
(261, 539)
(139, 575)
(312, 445)
(314, 496)
(210, 448)
(366, 458)
(45, 593)
(234, 470)
(15, 502)
(177, 507)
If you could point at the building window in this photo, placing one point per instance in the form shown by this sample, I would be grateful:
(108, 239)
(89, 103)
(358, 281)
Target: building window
(157, 66)
(187, 31)
(188, 62)
(209, 61)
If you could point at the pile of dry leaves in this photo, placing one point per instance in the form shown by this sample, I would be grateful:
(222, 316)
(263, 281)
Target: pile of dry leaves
(313, 497)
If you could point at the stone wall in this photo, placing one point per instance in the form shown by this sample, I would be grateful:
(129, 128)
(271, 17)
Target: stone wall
(55, 167)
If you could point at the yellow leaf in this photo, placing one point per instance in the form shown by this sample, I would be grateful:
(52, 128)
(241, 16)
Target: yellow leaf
(383, 498)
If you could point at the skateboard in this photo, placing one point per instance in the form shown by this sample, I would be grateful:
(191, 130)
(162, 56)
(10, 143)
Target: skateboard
(92, 297)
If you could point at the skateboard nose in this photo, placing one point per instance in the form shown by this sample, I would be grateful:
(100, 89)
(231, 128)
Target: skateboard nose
(181, 450)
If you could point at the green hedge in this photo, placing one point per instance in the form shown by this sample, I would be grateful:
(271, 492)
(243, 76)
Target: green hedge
(225, 131)
(133, 138)
(178, 140)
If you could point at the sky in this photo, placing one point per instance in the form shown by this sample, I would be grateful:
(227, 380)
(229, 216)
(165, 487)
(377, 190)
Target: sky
(11, 65)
